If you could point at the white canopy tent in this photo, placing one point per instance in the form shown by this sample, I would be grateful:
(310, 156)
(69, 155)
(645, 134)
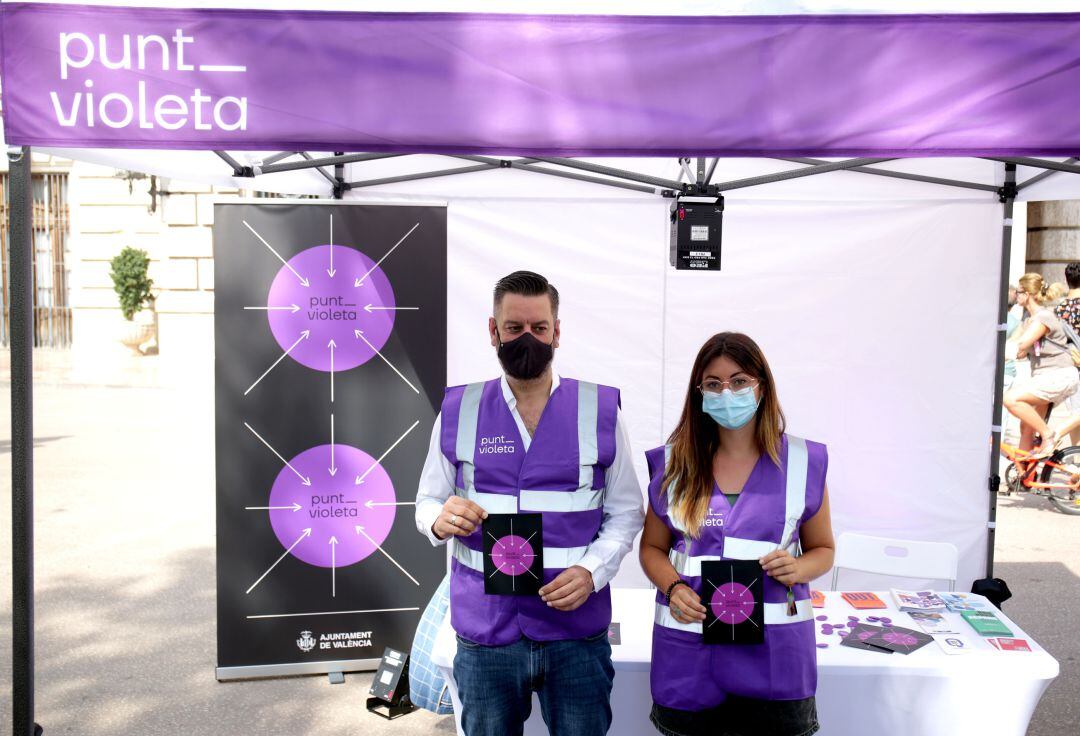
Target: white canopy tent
(876, 297)
(831, 272)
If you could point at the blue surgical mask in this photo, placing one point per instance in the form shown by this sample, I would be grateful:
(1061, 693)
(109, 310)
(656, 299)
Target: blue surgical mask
(730, 409)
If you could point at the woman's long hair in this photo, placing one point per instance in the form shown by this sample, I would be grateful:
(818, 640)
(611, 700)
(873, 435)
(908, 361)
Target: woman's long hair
(689, 475)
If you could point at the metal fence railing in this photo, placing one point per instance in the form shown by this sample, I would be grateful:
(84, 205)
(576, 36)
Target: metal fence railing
(51, 228)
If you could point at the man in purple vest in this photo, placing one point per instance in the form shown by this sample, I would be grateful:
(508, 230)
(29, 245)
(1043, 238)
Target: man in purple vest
(532, 442)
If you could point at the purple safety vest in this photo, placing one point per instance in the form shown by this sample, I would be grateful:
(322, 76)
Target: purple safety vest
(688, 675)
(561, 476)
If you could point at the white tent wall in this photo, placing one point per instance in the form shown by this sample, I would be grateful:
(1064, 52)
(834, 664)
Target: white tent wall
(877, 318)
(877, 321)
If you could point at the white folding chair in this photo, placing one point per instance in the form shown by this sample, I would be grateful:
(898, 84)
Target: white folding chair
(903, 558)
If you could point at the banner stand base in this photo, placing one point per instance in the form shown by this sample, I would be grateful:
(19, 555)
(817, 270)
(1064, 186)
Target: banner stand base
(381, 708)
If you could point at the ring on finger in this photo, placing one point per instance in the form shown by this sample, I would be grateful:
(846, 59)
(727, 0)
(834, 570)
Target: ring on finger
(676, 612)
(453, 520)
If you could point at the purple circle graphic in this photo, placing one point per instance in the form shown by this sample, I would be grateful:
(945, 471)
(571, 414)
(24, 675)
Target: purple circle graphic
(333, 506)
(900, 638)
(732, 603)
(864, 635)
(512, 555)
(331, 308)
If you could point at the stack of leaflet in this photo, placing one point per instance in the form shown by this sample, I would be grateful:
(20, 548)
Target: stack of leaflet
(986, 623)
(925, 601)
(960, 602)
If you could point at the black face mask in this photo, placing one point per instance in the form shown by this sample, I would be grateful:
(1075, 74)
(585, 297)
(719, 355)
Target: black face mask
(525, 358)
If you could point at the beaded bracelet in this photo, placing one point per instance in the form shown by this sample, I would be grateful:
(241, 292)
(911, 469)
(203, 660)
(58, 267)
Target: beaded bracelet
(667, 593)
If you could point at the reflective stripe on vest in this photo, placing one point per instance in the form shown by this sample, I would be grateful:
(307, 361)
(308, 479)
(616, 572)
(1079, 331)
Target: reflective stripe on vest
(585, 498)
(774, 614)
(752, 549)
(555, 558)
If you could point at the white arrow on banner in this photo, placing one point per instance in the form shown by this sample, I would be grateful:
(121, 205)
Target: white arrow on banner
(333, 567)
(303, 336)
(306, 481)
(360, 530)
(360, 478)
(332, 345)
(372, 504)
(331, 271)
(292, 308)
(295, 507)
(302, 537)
(360, 335)
(360, 281)
(369, 308)
(303, 281)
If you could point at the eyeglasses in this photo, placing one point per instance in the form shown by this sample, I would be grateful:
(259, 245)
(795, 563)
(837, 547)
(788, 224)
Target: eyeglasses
(713, 386)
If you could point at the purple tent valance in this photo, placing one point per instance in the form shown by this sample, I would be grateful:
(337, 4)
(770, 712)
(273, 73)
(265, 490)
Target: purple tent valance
(80, 76)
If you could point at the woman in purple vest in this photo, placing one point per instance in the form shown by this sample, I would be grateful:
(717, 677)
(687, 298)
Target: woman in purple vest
(732, 485)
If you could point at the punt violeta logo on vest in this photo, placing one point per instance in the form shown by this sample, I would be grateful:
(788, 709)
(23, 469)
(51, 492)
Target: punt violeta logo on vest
(497, 445)
(713, 518)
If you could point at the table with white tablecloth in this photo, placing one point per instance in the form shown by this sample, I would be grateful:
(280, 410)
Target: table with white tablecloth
(928, 692)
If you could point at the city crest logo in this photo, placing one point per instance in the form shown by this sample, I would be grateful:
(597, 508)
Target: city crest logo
(306, 642)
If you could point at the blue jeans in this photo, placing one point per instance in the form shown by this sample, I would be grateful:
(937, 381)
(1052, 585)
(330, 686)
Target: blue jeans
(572, 679)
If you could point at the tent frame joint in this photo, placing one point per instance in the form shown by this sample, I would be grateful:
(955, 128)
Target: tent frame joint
(1008, 191)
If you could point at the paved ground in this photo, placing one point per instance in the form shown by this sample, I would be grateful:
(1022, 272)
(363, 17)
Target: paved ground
(125, 617)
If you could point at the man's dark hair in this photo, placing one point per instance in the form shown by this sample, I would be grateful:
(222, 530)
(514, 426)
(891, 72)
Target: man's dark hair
(1072, 275)
(527, 283)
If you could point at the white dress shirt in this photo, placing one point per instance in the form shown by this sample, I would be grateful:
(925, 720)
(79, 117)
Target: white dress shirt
(623, 511)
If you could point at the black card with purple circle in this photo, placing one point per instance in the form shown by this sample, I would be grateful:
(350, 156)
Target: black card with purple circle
(899, 639)
(732, 596)
(860, 637)
(513, 554)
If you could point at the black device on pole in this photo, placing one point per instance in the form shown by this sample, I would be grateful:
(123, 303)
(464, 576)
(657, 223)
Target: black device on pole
(697, 219)
(391, 686)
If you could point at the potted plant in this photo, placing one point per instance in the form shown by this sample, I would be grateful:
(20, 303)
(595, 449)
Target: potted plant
(129, 275)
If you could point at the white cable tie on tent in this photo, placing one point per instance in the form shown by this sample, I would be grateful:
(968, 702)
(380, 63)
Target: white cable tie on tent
(1008, 222)
(991, 525)
(1002, 327)
(995, 429)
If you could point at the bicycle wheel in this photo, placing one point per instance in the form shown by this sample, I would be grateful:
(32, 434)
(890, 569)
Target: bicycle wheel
(1065, 500)
(1012, 480)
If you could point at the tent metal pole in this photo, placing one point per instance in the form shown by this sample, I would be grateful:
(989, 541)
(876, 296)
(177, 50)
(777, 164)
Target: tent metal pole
(419, 176)
(339, 178)
(1008, 196)
(902, 175)
(524, 163)
(711, 171)
(609, 171)
(486, 164)
(308, 157)
(22, 441)
(799, 173)
(590, 179)
(1039, 177)
(687, 172)
(235, 165)
(351, 158)
(277, 157)
(1037, 163)
(700, 170)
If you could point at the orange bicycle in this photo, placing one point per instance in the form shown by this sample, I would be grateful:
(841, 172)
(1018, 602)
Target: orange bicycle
(1056, 477)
